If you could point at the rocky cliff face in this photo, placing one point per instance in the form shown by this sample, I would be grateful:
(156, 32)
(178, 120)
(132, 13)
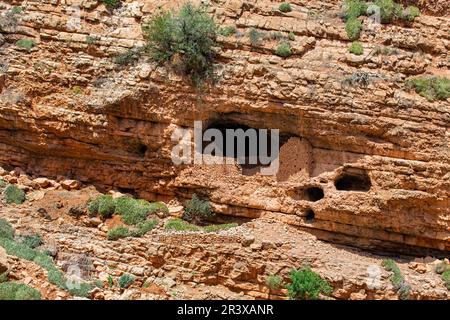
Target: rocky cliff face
(365, 160)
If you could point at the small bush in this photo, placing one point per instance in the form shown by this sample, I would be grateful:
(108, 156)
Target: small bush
(81, 290)
(285, 7)
(255, 37)
(291, 36)
(112, 4)
(132, 211)
(125, 281)
(411, 13)
(356, 48)
(118, 233)
(158, 207)
(197, 209)
(3, 184)
(283, 50)
(431, 88)
(110, 281)
(354, 8)
(6, 230)
(353, 28)
(144, 227)
(180, 225)
(228, 31)
(27, 44)
(446, 278)
(188, 36)
(397, 279)
(57, 278)
(32, 241)
(16, 10)
(274, 282)
(18, 291)
(92, 205)
(306, 284)
(218, 227)
(104, 205)
(388, 10)
(14, 195)
(18, 249)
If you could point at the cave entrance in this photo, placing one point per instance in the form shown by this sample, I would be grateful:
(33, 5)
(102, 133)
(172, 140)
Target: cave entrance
(353, 180)
(312, 194)
(252, 148)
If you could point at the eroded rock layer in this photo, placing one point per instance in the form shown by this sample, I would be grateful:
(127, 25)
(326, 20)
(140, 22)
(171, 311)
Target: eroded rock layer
(363, 163)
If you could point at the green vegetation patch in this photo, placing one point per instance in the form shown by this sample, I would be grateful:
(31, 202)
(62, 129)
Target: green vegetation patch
(397, 278)
(274, 282)
(285, 7)
(353, 28)
(125, 280)
(356, 48)
(218, 227)
(227, 31)
(283, 50)
(185, 40)
(431, 88)
(197, 209)
(27, 44)
(13, 194)
(18, 291)
(6, 230)
(306, 284)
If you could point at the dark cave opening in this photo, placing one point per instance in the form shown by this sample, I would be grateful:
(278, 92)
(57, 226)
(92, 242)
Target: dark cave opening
(354, 180)
(310, 215)
(313, 194)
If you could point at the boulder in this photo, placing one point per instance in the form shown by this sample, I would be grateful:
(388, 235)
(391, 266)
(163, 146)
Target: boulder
(70, 184)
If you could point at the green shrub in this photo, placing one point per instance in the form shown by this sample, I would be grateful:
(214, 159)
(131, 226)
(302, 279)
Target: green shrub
(285, 7)
(274, 282)
(180, 225)
(356, 48)
(158, 207)
(112, 4)
(255, 37)
(354, 8)
(144, 227)
(2, 183)
(14, 195)
(291, 36)
(432, 88)
(129, 56)
(388, 10)
(218, 227)
(283, 50)
(353, 28)
(16, 10)
(197, 209)
(132, 211)
(446, 278)
(227, 31)
(81, 290)
(57, 278)
(44, 261)
(412, 12)
(92, 205)
(6, 230)
(17, 249)
(126, 280)
(27, 44)
(110, 281)
(118, 233)
(306, 284)
(18, 291)
(189, 35)
(32, 241)
(397, 279)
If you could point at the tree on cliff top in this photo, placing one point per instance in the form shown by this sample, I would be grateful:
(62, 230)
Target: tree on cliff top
(185, 40)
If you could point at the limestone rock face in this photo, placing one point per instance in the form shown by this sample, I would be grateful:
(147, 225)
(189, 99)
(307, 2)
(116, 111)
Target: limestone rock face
(364, 163)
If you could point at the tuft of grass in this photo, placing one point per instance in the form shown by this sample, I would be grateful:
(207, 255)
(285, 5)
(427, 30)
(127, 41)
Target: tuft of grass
(291, 36)
(353, 28)
(197, 209)
(306, 284)
(112, 4)
(283, 50)
(354, 9)
(255, 37)
(18, 291)
(218, 227)
(356, 48)
(132, 211)
(431, 88)
(397, 278)
(118, 233)
(17, 249)
(411, 13)
(81, 289)
(180, 225)
(32, 241)
(274, 282)
(110, 281)
(227, 31)
(6, 230)
(446, 278)
(27, 44)
(285, 7)
(104, 205)
(125, 280)
(14, 195)
(144, 227)
(16, 10)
